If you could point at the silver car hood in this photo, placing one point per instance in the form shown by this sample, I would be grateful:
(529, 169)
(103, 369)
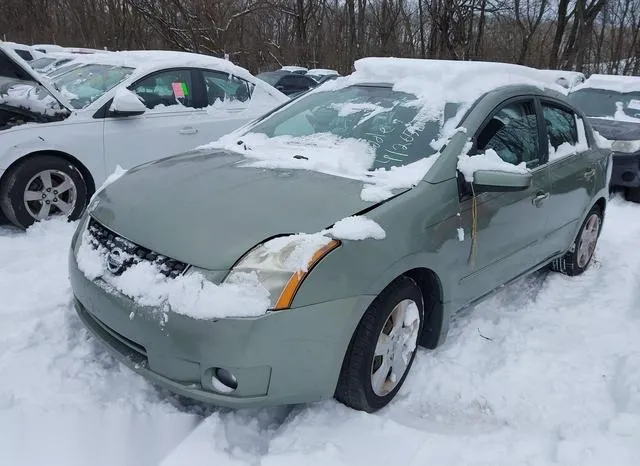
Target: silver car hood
(206, 210)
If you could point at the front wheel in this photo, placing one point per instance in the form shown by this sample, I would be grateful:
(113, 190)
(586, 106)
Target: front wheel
(578, 258)
(382, 348)
(40, 187)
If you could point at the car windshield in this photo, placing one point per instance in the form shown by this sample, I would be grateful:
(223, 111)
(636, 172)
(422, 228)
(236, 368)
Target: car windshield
(607, 103)
(392, 122)
(270, 77)
(85, 84)
(40, 64)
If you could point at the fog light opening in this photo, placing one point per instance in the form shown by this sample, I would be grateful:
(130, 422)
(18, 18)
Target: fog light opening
(628, 177)
(224, 381)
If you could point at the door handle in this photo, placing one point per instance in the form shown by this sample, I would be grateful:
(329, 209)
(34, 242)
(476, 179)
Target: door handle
(590, 173)
(539, 199)
(188, 130)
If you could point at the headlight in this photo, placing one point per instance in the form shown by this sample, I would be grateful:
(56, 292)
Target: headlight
(282, 264)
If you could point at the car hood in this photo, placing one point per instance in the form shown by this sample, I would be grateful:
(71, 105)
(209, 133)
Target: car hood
(206, 210)
(616, 130)
(14, 67)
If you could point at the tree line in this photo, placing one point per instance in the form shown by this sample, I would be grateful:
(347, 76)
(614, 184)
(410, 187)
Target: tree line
(584, 35)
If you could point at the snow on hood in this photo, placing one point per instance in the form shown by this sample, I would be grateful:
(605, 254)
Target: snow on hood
(614, 83)
(32, 98)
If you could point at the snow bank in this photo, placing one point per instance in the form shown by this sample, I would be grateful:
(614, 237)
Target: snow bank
(488, 160)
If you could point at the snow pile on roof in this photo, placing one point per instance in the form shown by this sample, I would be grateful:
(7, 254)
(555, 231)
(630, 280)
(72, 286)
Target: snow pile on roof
(31, 98)
(488, 160)
(190, 294)
(608, 82)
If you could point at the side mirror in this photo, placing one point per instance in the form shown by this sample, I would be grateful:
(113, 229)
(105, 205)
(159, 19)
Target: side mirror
(500, 181)
(126, 103)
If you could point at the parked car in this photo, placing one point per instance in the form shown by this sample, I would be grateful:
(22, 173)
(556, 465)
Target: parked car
(612, 104)
(288, 83)
(23, 51)
(61, 137)
(320, 75)
(210, 291)
(294, 69)
(51, 62)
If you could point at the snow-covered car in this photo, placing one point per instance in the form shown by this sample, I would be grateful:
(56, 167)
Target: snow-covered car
(612, 104)
(26, 52)
(340, 232)
(61, 137)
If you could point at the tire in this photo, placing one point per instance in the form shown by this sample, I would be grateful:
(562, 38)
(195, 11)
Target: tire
(632, 194)
(360, 366)
(573, 263)
(26, 196)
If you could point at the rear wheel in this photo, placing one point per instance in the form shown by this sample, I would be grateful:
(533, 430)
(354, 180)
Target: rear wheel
(382, 348)
(41, 187)
(632, 194)
(578, 258)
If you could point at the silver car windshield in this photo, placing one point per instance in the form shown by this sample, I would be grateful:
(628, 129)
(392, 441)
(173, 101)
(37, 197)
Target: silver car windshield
(86, 84)
(391, 121)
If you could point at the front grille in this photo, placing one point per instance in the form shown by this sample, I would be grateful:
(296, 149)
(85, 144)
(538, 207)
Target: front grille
(122, 253)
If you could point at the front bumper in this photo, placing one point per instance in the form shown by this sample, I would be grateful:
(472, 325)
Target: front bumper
(283, 357)
(626, 170)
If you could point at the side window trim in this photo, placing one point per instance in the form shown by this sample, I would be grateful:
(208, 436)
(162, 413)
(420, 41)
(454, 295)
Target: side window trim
(533, 99)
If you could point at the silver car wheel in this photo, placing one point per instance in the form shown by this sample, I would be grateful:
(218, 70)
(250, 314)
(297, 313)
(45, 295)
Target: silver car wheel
(50, 192)
(396, 343)
(588, 240)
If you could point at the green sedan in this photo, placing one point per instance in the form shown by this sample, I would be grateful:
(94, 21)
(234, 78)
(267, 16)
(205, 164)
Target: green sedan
(308, 254)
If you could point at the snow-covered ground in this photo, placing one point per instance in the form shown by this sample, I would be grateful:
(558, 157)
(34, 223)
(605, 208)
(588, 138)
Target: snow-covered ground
(547, 372)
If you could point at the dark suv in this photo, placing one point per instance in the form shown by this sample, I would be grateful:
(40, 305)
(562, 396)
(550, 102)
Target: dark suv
(612, 104)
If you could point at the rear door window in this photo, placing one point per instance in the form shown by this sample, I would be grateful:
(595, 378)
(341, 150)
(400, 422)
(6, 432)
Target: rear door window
(561, 125)
(224, 87)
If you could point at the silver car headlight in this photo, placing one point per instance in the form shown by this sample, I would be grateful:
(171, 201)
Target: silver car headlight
(283, 263)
